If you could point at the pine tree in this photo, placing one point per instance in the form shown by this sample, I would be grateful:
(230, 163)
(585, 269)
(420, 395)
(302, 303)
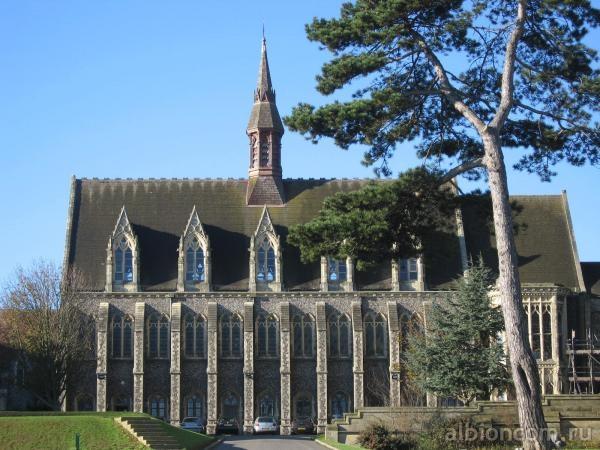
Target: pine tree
(522, 78)
(460, 355)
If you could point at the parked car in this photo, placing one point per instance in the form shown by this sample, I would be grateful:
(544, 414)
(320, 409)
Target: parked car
(266, 424)
(227, 425)
(303, 425)
(193, 424)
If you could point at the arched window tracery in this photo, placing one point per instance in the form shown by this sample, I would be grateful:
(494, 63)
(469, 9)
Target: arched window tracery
(265, 257)
(267, 331)
(122, 257)
(194, 256)
(340, 333)
(375, 335)
(158, 336)
(303, 329)
(337, 271)
(195, 336)
(122, 336)
(231, 335)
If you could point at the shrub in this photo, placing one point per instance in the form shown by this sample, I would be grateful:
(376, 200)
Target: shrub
(447, 434)
(379, 437)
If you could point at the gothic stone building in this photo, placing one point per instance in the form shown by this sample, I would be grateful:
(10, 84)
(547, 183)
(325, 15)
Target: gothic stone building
(202, 309)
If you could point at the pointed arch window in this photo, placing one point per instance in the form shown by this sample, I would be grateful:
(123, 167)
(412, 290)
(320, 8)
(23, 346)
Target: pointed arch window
(231, 336)
(339, 336)
(123, 262)
(195, 336)
(337, 271)
(158, 336)
(375, 335)
(194, 260)
(265, 264)
(303, 329)
(122, 336)
(265, 256)
(267, 331)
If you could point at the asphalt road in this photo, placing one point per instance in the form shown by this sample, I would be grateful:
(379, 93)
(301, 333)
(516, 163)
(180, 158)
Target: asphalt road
(268, 443)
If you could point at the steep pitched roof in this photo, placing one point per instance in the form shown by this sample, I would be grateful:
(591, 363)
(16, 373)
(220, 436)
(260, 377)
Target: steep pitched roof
(542, 235)
(160, 209)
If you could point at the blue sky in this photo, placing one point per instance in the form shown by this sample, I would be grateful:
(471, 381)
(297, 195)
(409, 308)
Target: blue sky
(164, 89)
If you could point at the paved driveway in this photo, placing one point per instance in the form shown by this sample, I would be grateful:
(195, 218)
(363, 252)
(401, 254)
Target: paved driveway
(268, 443)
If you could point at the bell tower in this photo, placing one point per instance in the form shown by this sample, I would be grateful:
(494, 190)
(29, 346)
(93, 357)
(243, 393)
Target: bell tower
(265, 129)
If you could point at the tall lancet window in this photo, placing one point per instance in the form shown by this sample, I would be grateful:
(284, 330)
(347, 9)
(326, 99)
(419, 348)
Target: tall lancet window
(122, 257)
(194, 257)
(194, 260)
(265, 257)
(265, 266)
(123, 262)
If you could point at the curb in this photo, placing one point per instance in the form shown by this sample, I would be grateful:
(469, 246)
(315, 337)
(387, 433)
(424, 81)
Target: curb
(214, 444)
(325, 445)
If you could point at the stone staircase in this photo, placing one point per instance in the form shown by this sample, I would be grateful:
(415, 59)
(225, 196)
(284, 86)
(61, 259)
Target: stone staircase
(149, 432)
(564, 413)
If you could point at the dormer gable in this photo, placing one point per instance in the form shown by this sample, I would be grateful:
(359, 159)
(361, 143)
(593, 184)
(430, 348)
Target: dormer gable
(122, 257)
(265, 256)
(194, 262)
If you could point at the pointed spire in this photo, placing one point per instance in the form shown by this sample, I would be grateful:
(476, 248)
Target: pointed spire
(264, 89)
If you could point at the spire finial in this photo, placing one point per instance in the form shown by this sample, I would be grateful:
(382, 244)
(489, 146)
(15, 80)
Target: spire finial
(264, 89)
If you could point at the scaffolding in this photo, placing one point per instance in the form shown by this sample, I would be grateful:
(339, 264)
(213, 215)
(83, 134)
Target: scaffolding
(584, 364)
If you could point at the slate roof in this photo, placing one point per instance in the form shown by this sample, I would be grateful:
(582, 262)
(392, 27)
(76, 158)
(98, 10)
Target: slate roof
(591, 277)
(542, 235)
(159, 210)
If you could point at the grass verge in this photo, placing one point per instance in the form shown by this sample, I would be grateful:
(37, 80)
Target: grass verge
(57, 432)
(337, 444)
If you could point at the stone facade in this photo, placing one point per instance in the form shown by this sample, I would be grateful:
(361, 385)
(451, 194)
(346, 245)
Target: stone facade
(203, 309)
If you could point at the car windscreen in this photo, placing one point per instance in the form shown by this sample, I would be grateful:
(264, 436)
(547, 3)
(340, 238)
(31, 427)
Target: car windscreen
(266, 420)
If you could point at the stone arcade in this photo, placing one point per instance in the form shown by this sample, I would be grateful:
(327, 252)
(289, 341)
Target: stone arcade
(202, 309)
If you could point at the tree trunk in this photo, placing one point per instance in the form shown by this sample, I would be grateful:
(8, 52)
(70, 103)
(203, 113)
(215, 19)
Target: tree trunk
(523, 364)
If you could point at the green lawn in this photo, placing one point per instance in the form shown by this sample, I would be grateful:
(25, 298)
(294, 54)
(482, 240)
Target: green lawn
(98, 431)
(337, 444)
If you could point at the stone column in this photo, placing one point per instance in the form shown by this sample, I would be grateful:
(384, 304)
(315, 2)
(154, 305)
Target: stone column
(208, 266)
(555, 344)
(284, 331)
(138, 357)
(248, 367)
(278, 285)
(181, 267)
(175, 363)
(395, 275)
(324, 274)
(349, 274)
(357, 352)
(394, 342)
(321, 368)
(211, 370)
(252, 266)
(108, 286)
(101, 357)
